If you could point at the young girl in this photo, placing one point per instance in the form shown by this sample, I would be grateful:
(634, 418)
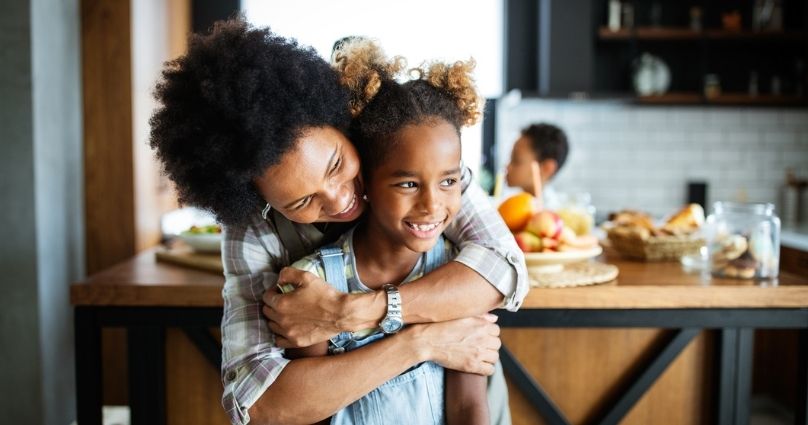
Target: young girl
(410, 133)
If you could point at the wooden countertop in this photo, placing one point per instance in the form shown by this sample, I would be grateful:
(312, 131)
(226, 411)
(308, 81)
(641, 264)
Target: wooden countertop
(142, 281)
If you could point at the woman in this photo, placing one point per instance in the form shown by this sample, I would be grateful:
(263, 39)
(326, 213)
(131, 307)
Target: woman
(252, 127)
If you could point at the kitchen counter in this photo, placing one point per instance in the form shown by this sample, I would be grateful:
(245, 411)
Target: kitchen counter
(592, 374)
(795, 237)
(143, 281)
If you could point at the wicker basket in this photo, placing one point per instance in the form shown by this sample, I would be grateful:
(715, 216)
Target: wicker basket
(654, 248)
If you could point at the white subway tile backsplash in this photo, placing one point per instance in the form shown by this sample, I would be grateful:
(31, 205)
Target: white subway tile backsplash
(779, 138)
(794, 118)
(692, 118)
(760, 118)
(642, 157)
(724, 119)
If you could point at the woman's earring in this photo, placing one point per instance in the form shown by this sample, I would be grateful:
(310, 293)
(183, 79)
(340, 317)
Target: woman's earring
(265, 211)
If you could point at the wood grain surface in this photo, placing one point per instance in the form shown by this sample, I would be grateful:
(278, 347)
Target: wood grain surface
(145, 282)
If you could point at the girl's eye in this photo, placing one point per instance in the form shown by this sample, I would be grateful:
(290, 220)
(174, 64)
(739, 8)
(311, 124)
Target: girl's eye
(407, 185)
(449, 182)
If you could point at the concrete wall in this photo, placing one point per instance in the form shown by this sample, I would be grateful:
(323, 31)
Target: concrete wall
(41, 250)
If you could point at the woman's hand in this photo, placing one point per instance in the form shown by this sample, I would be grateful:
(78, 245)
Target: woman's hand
(310, 314)
(468, 345)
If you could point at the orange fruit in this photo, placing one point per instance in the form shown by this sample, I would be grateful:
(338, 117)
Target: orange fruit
(517, 210)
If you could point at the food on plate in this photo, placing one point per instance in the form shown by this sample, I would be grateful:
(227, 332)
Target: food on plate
(517, 210)
(577, 219)
(204, 230)
(542, 231)
(528, 242)
(546, 224)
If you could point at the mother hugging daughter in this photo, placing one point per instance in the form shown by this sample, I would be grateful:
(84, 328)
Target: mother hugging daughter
(267, 136)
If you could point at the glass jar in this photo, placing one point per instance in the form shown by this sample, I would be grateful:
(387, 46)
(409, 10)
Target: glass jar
(743, 240)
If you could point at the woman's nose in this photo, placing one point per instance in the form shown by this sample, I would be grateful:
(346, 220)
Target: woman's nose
(338, 198)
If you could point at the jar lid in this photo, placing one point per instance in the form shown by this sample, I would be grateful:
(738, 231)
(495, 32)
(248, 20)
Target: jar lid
(761, 208)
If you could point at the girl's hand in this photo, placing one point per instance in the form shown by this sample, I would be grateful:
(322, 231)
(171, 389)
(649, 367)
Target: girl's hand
(310, 314)
(468, 345)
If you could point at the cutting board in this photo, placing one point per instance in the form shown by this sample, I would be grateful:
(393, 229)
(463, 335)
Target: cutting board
(183, 255)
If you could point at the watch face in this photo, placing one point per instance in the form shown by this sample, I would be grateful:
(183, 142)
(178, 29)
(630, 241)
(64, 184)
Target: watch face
(391, 325)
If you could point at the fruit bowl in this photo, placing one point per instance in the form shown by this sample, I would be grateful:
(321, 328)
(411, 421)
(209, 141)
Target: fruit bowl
(553, 262)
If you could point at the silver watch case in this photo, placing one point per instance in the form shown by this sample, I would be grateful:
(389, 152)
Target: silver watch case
(393, 321)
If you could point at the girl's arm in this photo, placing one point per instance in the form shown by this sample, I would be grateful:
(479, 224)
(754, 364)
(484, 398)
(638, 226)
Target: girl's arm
(311, 389)
(466, 399)
(488, 272)
(259, 381)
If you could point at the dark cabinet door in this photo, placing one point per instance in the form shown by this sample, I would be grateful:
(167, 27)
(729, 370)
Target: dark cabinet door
(549, 46)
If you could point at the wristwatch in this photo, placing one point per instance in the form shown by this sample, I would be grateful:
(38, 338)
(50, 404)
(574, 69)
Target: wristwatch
(393, 321)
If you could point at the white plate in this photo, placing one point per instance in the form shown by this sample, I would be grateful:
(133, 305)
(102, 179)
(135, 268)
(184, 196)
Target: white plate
(203, 242)
(549, 262)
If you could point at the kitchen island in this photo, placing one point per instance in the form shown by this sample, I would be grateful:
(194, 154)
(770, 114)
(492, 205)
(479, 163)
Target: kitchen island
(658, 345)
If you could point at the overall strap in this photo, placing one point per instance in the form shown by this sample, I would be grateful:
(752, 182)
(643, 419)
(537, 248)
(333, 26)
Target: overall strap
(289, 236)
(436, 256)
(334, 267)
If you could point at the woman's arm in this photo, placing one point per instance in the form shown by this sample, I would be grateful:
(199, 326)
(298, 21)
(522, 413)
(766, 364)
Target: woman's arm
(488, 272)
(466, 399)
(311, 389)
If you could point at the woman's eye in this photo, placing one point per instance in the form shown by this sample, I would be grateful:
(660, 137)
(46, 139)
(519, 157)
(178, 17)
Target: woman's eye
(336, 166)
(303, 203)
(407, 185)
(449, 182)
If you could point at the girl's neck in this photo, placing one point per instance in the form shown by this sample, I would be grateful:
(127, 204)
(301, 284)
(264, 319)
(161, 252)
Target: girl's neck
(379, 259)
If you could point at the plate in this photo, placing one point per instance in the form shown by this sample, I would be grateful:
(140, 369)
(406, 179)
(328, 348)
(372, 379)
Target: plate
(549, 262)
(202, 242)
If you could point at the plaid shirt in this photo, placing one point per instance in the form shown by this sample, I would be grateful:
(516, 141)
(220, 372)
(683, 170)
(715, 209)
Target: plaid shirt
(253, 255)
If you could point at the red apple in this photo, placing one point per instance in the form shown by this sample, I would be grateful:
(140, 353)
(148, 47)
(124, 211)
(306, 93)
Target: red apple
(528, 242)
(546, 224)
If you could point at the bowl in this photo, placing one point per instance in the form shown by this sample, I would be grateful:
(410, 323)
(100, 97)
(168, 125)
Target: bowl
(553, 262)
(202, 242)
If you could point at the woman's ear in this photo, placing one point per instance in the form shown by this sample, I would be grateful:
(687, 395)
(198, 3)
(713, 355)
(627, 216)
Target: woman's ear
(548, 169)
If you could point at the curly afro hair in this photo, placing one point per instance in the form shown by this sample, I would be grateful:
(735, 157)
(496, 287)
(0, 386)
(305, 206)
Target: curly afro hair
(382, 106)
(232, 107)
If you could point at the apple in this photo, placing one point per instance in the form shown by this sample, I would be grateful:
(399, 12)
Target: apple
(549, 244)
(546, 224)
(567, 236)
(584, 242)
(528, 242)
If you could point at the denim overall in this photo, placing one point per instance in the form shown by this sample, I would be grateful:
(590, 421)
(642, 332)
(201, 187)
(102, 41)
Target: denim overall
(413, 398)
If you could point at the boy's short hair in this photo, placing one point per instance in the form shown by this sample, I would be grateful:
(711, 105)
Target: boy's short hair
(547, 142)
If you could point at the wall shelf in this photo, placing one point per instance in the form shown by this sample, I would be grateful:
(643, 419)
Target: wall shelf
(687, 34)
